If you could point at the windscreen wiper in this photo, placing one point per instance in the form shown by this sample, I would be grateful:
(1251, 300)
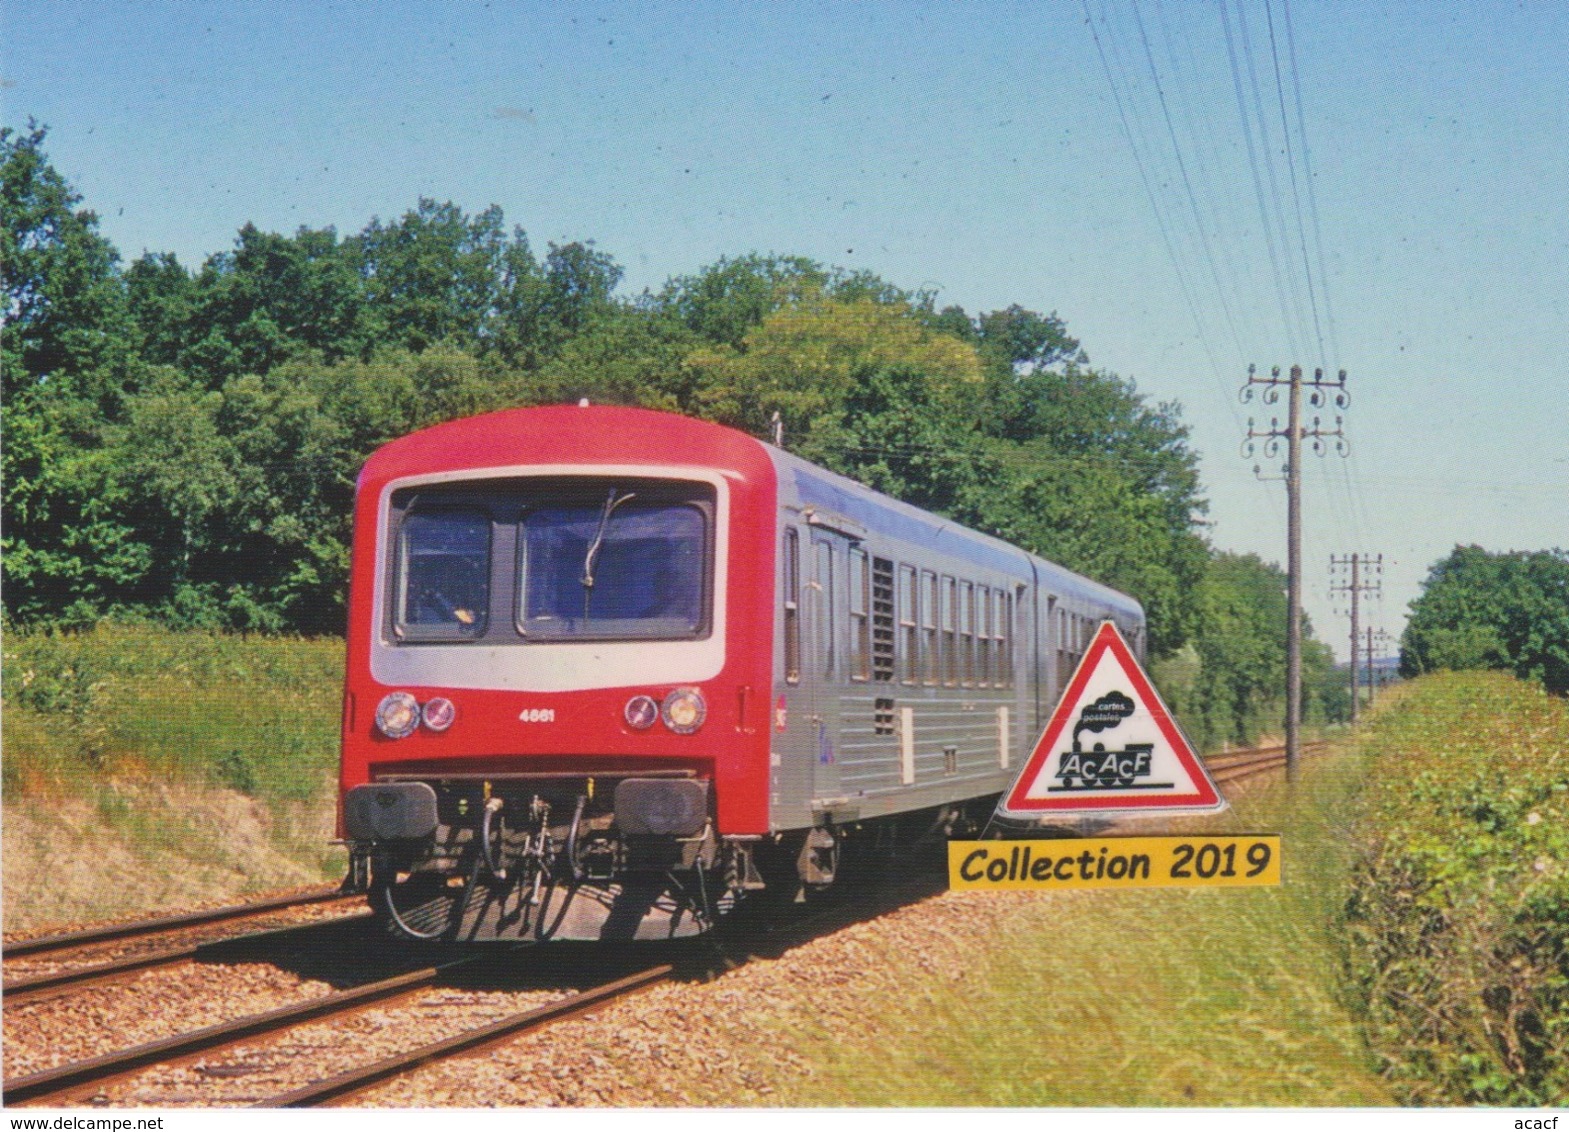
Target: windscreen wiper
(612, 501)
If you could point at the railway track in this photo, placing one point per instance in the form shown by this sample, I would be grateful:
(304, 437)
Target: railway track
(84, 1081)
(109, 932)
(51, 984)
(68, 961)
(1238, 765)
(78, 1082)
(352, 1081)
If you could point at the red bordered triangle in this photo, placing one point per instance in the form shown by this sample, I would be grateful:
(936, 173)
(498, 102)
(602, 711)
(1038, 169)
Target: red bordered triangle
(1111, 745)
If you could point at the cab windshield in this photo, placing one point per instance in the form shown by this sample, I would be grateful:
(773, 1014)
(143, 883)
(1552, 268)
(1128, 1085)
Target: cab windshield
(628, 570)
(552, 560)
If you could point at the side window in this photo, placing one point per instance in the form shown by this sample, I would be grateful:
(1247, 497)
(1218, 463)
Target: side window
(931, 656)
(860, 620)
(983, 636)
(827, 638)
(1005, 639)
(950, 631)
(967, 633)
(909, 629)
(1064, 652)
(443, 579)
(790, 582)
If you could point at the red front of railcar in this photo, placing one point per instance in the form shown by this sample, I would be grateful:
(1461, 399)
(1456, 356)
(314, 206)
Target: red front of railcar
(488, 556)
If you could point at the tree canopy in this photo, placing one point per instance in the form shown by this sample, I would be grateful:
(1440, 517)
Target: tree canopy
(1482, 610)
(184, 443)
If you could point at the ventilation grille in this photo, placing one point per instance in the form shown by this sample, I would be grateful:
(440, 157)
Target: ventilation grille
(882, 619)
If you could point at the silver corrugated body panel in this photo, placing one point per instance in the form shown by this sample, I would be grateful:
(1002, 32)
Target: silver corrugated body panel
(870, 768)
(838, 754)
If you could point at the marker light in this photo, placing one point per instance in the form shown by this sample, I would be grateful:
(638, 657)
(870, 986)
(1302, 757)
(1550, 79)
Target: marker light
(641, 712)
(439, 713)
(397, 715)
(684, 710)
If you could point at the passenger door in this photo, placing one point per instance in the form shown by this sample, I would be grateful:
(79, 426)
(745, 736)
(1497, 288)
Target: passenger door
(824, 656)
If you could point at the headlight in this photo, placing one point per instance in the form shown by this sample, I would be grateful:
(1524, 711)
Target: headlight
(683, 710)
(641, 712)
(439, 713)
(397, 715)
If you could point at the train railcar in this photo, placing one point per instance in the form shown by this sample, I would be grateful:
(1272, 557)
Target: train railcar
(611, 671)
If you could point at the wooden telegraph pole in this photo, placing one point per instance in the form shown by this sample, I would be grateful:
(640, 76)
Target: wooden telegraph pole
(1374, 563)
(1319, 392)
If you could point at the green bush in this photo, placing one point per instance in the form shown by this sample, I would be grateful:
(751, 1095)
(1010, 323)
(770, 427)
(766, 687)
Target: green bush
(1459, 916)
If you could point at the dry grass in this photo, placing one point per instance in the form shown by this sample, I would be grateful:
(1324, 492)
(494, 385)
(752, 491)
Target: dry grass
(145, 847)
(145, 768)
(1144, 998)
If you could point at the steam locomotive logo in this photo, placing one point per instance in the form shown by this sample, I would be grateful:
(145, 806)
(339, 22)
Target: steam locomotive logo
(1100, 768)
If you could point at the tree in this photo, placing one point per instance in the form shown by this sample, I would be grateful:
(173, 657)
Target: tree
(1082, 510)
(1481, 610)
(802, 361)
(64, 309)
(542, 309)
(174, 469)
(270, 299)
(722, 304)
(1228, 682)
(65, 364)
(627, 355)
(437, 274)
(161, 296)
(1023, 340)
(69, 552)
(1100, 480)
(896, 431)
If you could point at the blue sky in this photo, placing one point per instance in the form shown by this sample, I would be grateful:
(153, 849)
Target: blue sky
(983, 150)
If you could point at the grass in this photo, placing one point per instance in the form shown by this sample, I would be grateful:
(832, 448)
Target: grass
(144, 767)
(1142, 998)
(258, 715)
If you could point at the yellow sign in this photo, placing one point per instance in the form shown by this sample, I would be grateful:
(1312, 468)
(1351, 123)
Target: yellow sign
(1114, 862)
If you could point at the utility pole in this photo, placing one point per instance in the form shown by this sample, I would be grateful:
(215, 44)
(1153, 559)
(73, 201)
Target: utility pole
(1379, 641)
(1356, 587)
(1370, 667)
(1294, 434)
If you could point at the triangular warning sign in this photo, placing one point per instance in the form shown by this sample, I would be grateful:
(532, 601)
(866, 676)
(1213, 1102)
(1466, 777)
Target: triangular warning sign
(1111, 745)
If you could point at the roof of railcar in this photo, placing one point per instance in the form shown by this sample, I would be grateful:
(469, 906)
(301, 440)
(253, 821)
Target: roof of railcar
(565, 434)
(818, 487)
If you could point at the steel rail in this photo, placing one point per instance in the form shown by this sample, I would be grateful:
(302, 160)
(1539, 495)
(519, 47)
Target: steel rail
(354, 1081)
(34, 946)
(1244, 764)
(67, 1083)
(94, 1070)
(31, 988)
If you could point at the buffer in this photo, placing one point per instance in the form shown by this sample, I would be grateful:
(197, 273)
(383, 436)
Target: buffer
(1111, 745)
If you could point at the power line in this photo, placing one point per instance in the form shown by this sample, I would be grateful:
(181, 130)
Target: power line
(1149, 192)
(1187, 184)
(1291, 166)
(1307, 177)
